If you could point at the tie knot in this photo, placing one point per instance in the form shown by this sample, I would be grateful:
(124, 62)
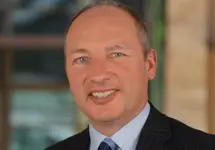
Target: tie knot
(107, 144)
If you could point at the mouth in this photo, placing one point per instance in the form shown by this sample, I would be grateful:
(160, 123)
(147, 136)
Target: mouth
(102, 94)
(103, 97)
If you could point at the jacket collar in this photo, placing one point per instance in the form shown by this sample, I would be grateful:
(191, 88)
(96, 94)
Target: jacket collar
(155, 134)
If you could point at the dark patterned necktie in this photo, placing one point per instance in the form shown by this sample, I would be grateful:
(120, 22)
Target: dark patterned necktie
(107, 144)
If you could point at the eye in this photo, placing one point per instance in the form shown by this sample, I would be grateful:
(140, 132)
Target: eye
(117, 54)
(81, 60)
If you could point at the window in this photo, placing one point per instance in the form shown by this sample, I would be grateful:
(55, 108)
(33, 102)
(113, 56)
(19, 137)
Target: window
(42, 16)
(42, 110)
(1, 20)
(38, 67)
(41, 117)
(1, 72)
(1, 65)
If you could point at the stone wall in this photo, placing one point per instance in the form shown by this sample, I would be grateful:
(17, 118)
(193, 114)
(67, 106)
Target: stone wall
(186, 62)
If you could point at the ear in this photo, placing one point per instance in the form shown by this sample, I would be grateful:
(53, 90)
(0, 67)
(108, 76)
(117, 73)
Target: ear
(151, 63)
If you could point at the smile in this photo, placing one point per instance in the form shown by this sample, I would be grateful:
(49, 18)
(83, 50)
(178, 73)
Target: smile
(103, 97)
(102, 94)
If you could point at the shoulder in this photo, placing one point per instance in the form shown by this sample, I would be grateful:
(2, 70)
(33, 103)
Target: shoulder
(74, 142)
(186, 136)
(62, 144)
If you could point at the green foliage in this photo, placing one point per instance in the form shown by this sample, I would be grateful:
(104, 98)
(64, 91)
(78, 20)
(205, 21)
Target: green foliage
(157, 16)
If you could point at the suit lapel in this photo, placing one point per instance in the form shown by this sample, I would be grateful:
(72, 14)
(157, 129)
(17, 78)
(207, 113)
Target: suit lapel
(82, 142)
(156, 133)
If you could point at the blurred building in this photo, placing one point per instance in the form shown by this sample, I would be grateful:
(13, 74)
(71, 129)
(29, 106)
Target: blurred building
(36, 106)
(190, 63)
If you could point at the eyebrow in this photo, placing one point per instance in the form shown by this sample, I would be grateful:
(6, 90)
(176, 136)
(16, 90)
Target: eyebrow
(108, 48)
(79, 51)
(115, 47)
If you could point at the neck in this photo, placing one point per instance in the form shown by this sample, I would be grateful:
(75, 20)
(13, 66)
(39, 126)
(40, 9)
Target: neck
(108, 128)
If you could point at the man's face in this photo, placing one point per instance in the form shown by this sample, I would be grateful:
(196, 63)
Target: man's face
(105, 65)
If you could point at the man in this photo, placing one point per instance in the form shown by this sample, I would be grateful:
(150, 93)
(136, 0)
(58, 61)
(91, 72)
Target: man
(108, 64)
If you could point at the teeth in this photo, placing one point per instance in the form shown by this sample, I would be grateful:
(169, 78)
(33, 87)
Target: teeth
(102, 94)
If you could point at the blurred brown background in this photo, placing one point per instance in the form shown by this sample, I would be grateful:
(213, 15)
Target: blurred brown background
(36, 107)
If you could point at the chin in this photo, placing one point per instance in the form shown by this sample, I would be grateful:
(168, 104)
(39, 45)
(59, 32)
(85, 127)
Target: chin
(108, 119)
(105, 113)
(109, 116)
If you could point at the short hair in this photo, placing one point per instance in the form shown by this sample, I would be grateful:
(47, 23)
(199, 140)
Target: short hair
(139, 22)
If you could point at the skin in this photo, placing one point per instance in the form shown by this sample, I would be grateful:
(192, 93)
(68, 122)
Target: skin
(103, 51)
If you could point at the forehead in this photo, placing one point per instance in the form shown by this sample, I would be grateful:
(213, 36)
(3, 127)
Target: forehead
(102, 22)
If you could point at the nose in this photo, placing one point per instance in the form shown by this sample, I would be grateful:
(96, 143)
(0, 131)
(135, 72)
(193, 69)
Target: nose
(98, 73)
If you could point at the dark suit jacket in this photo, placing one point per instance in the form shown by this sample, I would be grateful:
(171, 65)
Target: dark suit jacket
(159, 133)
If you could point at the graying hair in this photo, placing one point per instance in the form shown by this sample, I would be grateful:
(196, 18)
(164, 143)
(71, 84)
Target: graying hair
(139, 22)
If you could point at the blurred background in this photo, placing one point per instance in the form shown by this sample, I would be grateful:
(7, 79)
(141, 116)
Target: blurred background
(36, 106)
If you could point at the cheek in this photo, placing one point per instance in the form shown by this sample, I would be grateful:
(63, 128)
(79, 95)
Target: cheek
(76, 79)
(132, 71)
(133, 79)
(77, 89)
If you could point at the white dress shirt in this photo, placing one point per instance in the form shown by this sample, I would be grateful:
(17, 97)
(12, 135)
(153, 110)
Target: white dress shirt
(127, 137)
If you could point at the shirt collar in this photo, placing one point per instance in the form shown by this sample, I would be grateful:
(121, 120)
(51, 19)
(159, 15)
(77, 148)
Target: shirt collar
(130, 132)
(95, 137)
